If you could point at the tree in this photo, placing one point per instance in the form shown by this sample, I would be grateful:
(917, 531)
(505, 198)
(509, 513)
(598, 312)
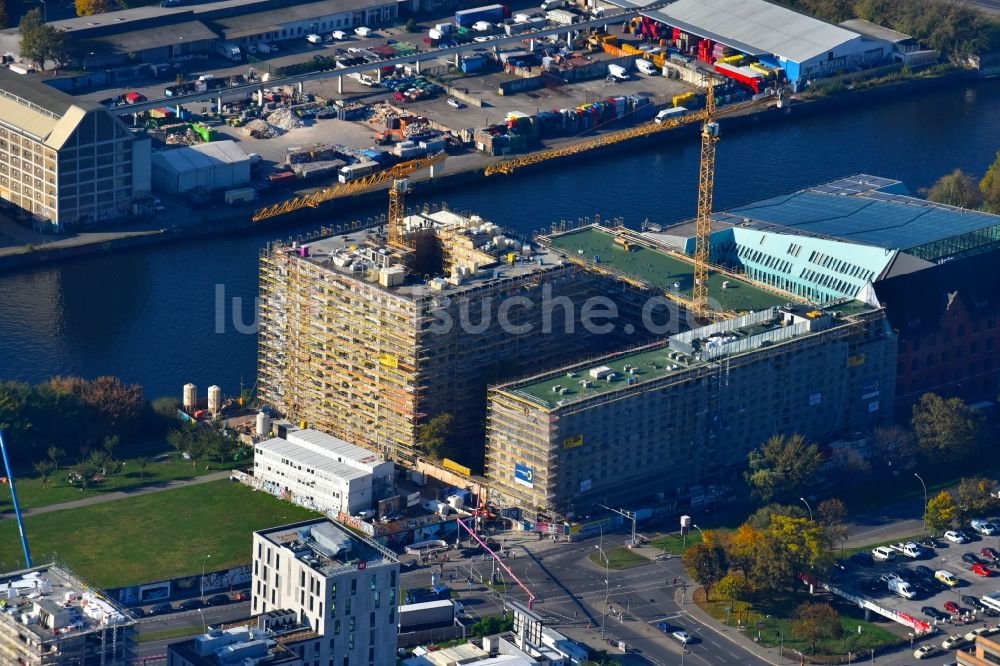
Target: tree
(976, 496)
(706, 563)
(761, 518)
(45, 469)
(411, 24)
(83, 473)
(816, 621)
(732, 587)
(782, 468)
(831, 513)
(942, 512)
(190, 444)
(41, 42)
(989, 187)
(55, 453)
(894, 447)
(435, 436)
(946, 430)
(790, 546)
(956, 189)
(4, 18)
(142, 462)
(166, 407)
(91, 7)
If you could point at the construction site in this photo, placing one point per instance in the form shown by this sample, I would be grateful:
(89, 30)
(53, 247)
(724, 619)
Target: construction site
(681, 414)
(371, 334)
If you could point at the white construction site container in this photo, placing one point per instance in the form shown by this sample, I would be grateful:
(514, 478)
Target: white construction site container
(190, 400)
(214, 399)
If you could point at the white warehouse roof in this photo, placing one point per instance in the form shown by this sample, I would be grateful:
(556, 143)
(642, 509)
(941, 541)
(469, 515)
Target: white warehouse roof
(755, 27)
(201, 156)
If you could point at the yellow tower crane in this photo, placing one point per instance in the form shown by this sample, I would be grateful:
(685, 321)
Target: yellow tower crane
(314, 199)
(703, 223)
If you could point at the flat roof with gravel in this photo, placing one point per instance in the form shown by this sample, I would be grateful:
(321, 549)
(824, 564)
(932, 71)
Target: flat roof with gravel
(596, 246)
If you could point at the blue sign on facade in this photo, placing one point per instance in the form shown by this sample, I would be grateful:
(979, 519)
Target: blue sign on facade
(523, 475)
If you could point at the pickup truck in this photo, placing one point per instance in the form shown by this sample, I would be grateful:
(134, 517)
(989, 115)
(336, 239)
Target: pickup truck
(910, 549)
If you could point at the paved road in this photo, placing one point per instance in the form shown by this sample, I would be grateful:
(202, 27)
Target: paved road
(571, 592)
(148, 651)
(118, 495)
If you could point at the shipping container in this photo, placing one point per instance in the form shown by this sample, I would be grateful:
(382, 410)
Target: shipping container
(465, 18)
(744, 75)
(426, 613)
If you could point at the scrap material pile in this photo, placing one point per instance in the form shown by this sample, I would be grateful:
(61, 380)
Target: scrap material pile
(382, 114)
(186, 138)
(260, 129)
(285, 120)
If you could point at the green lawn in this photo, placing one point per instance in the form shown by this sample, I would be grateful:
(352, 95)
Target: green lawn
(167, 468)
(675, 543)
(772, 621)
(619, 558)
(151, 537)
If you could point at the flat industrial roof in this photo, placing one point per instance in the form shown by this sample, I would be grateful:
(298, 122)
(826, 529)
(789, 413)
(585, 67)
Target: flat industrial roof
(265, 21)
(863, 209)
(27, 90)
(876, 31)
(151, 38)
(755, 26)
(201, 156)
(661, 269)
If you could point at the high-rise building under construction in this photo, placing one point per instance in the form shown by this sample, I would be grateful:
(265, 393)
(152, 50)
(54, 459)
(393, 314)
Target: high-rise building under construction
(358, 340)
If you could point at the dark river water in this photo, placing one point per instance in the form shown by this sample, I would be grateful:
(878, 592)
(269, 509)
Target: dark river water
(152, 315)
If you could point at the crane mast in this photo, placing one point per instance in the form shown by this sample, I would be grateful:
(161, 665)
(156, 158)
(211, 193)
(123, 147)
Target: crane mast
(703, 223)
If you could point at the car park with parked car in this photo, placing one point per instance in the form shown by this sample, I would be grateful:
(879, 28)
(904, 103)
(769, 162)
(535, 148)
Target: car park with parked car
(982, 570)
(160, 609)
(956, 536)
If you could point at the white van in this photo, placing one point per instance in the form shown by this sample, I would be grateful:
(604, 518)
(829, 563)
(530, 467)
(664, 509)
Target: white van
(363, 32)
(338, 35)
(482, 26)
(991, 601)
(314, 39)
(549, 5)
(883, 554)
(646, 67)
(902, 588)
(617, 73)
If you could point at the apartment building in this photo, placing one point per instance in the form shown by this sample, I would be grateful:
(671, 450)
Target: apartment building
(341, 586)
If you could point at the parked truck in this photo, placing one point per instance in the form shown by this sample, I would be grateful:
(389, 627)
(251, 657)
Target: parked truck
(422, 594)
(465, 18)
(426, 613)
(229, 50)
(617, 73)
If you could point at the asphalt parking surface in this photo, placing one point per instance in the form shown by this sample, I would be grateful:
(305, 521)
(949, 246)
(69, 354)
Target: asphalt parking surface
(947, 557)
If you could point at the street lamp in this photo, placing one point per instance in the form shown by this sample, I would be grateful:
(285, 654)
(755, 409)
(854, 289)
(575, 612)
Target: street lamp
(924, 485)
(204, 561)
(607, 585)
(803, 499)
(699, 531)
(204, 627)
(85, 60)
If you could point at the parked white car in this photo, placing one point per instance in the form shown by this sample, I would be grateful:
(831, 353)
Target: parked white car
(955, 537)
(984, 527)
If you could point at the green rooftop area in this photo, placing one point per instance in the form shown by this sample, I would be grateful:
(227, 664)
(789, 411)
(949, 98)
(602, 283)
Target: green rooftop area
(650, 364)
(661, 269)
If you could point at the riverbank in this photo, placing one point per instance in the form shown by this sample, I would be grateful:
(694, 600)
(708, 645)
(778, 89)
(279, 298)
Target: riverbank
(467, 169)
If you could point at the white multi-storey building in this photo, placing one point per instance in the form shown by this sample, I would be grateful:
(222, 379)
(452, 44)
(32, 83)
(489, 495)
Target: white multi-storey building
(323, 472)
(342, 586)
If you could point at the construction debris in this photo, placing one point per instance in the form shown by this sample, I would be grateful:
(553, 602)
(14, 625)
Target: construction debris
(285, 119)
(260, 129)
(382, 114)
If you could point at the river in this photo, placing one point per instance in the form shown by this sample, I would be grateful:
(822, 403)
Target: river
(152, 315)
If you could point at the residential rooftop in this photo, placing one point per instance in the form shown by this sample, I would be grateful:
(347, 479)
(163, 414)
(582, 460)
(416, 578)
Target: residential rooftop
(660, 267)
(56, 604)
(326, 546)
(680, 353)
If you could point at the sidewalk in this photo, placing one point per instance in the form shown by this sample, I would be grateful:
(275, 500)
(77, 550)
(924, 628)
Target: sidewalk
(731, 634)
(120, 495)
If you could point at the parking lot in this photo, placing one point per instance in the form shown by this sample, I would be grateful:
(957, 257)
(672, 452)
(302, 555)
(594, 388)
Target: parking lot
(864, 580)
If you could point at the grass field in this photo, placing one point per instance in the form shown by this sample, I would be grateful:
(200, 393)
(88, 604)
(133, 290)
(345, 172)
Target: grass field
(151, 537)
(619, 558)
(772, 620)
(674, 543)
